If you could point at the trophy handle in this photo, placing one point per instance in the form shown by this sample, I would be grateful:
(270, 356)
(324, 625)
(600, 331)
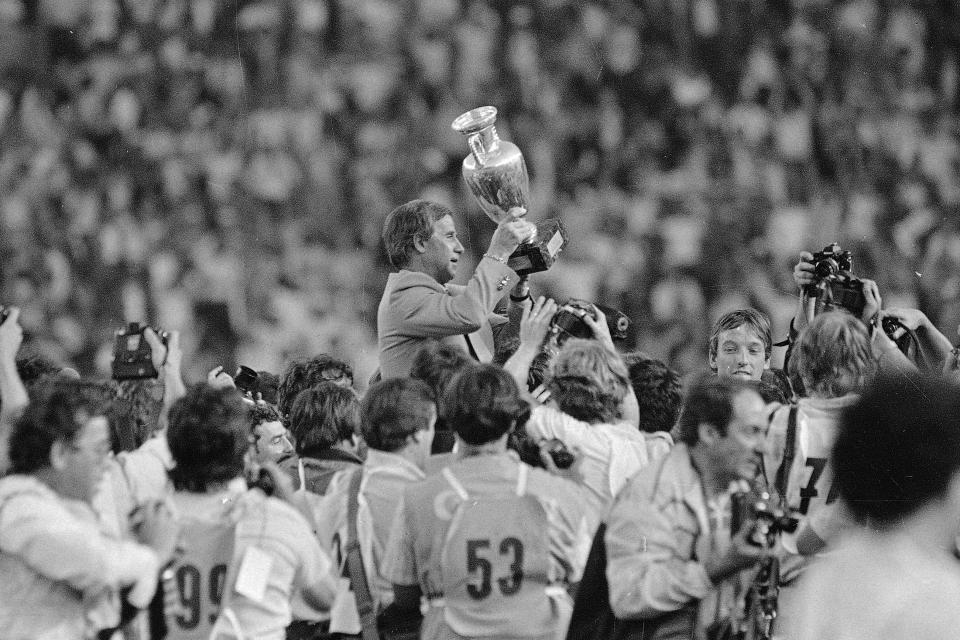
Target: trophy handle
(476, 148)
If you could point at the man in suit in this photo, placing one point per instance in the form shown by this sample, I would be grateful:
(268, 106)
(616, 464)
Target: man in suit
(418, 303)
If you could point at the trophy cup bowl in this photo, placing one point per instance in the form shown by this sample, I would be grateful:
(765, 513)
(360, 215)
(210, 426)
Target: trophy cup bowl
(497, 176)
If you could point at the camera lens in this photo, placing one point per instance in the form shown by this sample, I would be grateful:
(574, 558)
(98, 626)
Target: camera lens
(826, 267)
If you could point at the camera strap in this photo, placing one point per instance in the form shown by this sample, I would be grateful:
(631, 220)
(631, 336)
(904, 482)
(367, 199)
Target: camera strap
(358, 575)
(789, 453)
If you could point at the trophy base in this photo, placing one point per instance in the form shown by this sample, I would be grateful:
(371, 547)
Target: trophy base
(542, 252)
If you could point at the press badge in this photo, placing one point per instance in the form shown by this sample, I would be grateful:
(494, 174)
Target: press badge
(252, 576)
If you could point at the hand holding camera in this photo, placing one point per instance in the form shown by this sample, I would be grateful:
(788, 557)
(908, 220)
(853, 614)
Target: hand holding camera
(139, 352)
(220, 379)
(804, 274)
(556, 458)
(742, 554)
(536, 322)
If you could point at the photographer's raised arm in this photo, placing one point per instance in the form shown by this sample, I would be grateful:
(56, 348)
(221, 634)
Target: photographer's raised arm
(13, 395)
(803, 276)
(534, 327)
(167, 359)
(629, 408)
(934, 346)
(888, 354)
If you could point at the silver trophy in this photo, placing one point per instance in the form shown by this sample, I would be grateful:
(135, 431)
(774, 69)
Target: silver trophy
(497, 177)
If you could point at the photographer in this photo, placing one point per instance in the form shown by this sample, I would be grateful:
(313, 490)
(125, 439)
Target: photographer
(591, 409)
(807, 279)
(61, 571)
(671, 560)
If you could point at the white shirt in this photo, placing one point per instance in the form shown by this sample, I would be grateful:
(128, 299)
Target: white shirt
(613, 453)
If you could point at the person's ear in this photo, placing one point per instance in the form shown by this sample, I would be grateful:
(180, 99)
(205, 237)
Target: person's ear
(420, 244)
(707, 433)
(58, 455)
(712, 361)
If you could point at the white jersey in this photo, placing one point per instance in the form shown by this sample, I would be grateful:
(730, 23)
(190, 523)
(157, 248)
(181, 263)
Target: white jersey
(810, 487)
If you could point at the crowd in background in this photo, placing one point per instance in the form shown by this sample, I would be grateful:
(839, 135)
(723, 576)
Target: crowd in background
(226, 166)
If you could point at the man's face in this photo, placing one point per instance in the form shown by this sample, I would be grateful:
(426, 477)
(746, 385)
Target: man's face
(738, 453)
(442, 251)
(84, 459)
(740, 353)
(272, 441)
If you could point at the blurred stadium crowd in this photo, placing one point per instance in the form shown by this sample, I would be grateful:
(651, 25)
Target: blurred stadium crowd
(227, 166)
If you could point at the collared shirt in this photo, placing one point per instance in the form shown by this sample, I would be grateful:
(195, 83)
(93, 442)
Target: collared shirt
(613, 452)
(58, 566)
(660, 534)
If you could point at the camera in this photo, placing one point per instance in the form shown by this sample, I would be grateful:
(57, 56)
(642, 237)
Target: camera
(568, 321)
(246, 380)
(835, 285)
(529, 451)
(132, 355)
(831, 261)
(769, 522)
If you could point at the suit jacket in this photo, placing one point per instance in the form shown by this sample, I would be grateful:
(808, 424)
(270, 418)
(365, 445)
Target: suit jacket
(415, 307)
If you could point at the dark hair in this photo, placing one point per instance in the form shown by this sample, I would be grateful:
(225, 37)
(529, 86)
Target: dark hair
(587, 381)
(34, 368)
(482, 403)
(436, 364)
(323, 416)
(134, 413)
(208, 437)
(395, 409)
(268, 385)
(260, 413)
(709, 401)
(751, 318)
(410, 221)
(58, 413)
(132, 407)
(304, 374)
(898, 447)
(775, 386)
(658, 391)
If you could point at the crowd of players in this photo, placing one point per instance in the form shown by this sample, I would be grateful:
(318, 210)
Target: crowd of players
(533, 486)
